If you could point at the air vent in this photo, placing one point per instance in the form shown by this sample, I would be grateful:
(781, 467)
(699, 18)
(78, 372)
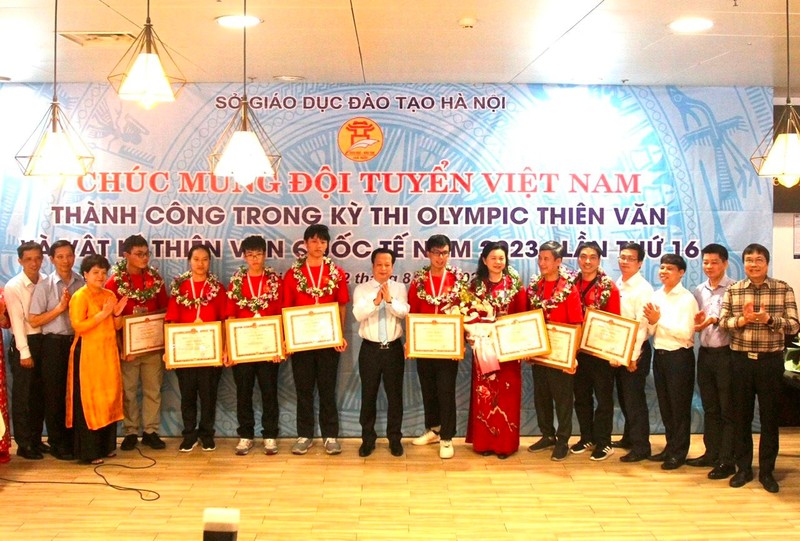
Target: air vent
(100, 39)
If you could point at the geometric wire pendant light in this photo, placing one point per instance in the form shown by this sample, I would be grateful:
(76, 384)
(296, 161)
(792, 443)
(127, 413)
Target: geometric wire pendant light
(146, 73)
(244, 151)
(54, 147)
(778, 154)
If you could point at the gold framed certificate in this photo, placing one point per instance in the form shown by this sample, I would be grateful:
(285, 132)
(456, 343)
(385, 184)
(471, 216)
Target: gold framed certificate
(143, 333)
(521, 336)
(255, 339)
(315, 326)
(609, 336)
(435, 336)
(564, 340)
(193, 344)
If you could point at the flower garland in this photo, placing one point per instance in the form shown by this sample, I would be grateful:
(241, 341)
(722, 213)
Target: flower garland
(603, 286)
(204, 299)
(302, 282)
(257, 303)
(122, 279)
(446, 298)
(534, 294)
(500, 298)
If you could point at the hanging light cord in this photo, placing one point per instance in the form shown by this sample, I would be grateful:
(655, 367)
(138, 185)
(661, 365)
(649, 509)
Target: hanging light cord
(55, 52)
(788, 60)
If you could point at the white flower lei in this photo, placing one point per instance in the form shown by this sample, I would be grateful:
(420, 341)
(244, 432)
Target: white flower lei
(447, 298)
(558, 297)
(302, 282)
(180, 298)
(257, 303)
(503, 299)
(122, 279)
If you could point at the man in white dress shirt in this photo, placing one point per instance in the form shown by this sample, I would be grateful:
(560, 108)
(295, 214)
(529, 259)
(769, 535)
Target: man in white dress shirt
(27, 400)
(380, 306)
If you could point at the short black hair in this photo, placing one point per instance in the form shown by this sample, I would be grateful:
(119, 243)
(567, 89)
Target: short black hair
(377, 251)
(482, 271)
(255, 243)
(60, 244)
(674, 259)
(635, 246)
(437, 241)
(134, 241)
(716, 249)
(196, 247)
(320, 231)
(592, 245)
(29, 245)
(553, 247)
(753, 248)
(95, 260)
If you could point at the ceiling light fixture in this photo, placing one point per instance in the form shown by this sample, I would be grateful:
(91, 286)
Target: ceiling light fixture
(54, 148)
(141, 75)
(244, 151)
(778, 154)
(691, 25)
(238, 21)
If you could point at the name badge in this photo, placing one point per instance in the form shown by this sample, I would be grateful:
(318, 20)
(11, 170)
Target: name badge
(753, 356)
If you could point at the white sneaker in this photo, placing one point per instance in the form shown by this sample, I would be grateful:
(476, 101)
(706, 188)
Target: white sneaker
(270, 446)
(244, 446)
(427, 438)
(302, 445)
(332, 447)
(446, 449)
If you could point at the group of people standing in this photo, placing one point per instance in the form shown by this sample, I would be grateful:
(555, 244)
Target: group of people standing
(66, 342)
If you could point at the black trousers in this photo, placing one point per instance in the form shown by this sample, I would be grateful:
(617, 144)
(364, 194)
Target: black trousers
(88, 444)
(633, 401)
(198, 383)
(245, 377)
(27, 389)
(437, 381)
(762, 378)
(376, 364)
(316, 369)
(674, 379)
(593, 387)
(55, 364)
(714, 378)
(553, 387)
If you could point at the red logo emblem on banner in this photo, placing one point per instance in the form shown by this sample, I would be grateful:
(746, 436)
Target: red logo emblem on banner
(360, 139)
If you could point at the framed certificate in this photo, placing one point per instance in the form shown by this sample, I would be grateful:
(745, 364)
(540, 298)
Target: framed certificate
(142, 333)
(564, 341)
(609, 336)
(435, 336)
(521, 336)
(255, 339)
(315, 326)
(193, 344)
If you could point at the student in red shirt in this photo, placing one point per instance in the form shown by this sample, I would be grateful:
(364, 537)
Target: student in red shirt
(196, 296)
(255, 291)
(315, 279)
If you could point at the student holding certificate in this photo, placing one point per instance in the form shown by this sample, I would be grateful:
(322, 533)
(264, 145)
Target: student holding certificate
(255, 291)
(315, 279)
(197, 296)
(494, 412)
(554, 292)
(433, 289)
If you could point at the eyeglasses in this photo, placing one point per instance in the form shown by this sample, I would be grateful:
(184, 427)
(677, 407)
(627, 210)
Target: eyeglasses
(627, 259)
(141, 254)
(755, 261)
(439, 253)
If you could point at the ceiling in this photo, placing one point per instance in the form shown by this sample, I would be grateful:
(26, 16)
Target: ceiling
(417, 41)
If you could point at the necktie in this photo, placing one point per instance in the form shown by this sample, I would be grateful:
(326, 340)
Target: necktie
(382, 334)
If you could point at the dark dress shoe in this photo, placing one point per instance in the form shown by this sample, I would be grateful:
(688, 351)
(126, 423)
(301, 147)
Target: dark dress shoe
(633, 456)
(62, 455)
(768, 482)
(366, 449)
(702, 461)
(396, 448)
(722, 471)
(152, 440)
(42, 447)
(672, 463)
(741, 478)
(30, 453)
(621, 444)
(129, 442)
(659, 457)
